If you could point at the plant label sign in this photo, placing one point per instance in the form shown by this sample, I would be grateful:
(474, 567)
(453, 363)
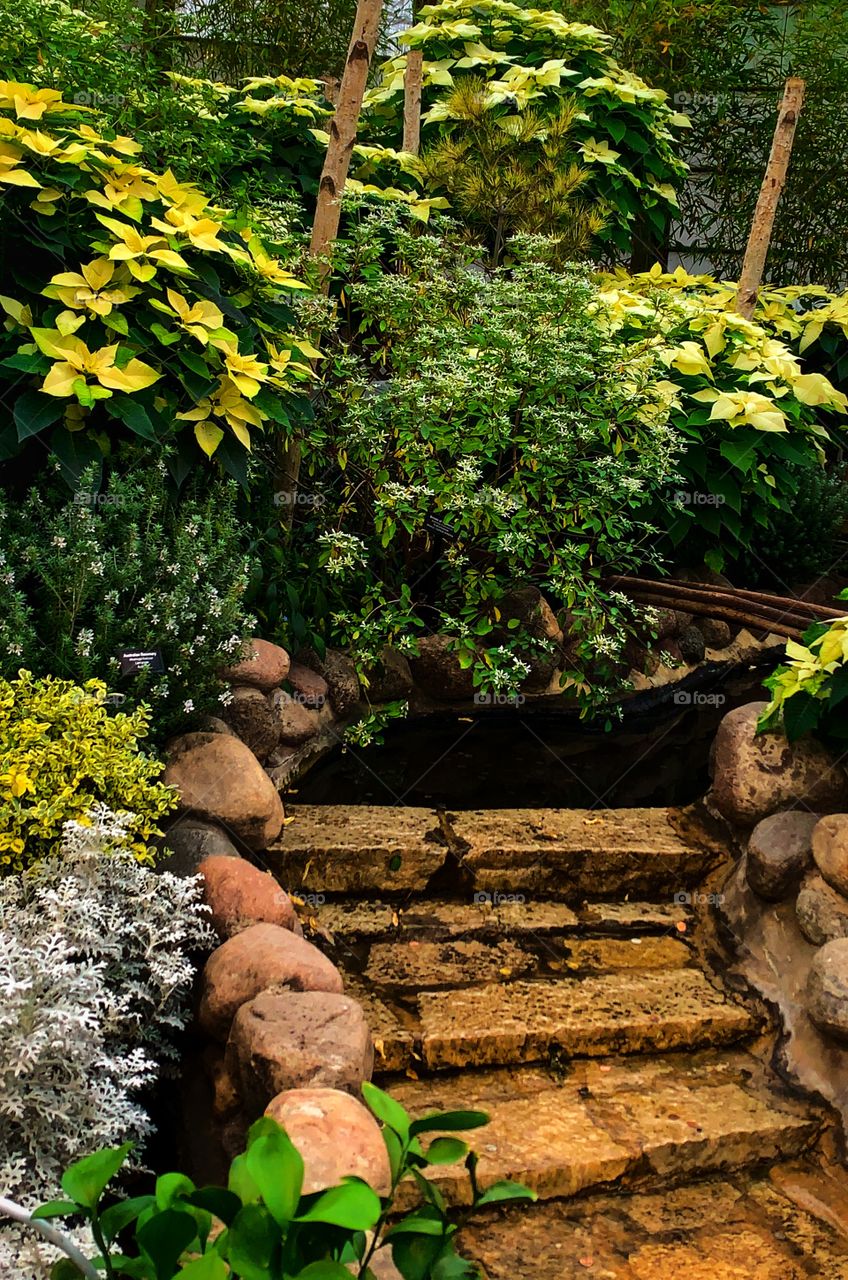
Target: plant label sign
(134, 660)
(440, 528)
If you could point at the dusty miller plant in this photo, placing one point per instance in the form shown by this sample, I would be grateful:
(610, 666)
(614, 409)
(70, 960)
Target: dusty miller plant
(95, 973)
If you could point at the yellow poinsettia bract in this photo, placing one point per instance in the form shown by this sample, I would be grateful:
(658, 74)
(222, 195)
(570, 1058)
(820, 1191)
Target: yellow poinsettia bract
(93, 288)
(74, 361)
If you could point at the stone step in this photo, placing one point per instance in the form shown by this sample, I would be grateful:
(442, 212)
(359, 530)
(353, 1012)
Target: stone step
(484, 916)
(624, 1010)
(628, 1122)
(564, 854)
(741, 1227)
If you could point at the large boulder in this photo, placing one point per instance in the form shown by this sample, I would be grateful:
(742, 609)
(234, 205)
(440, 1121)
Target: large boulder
(716, 632)
(310, 688)
(757, 774)
(822, 913)
(827, 989)
(436, 669)
(264, 665)
(780, 852)
(239, 894)
(339, 671)
(392, 679)
(336, 1136)
(830, 850)
(290, 1040)
(261, 957)
(296, 723)
(252, 717)
(220, 780)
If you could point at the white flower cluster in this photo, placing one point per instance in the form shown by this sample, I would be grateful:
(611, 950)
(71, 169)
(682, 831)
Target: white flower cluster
(95, 974)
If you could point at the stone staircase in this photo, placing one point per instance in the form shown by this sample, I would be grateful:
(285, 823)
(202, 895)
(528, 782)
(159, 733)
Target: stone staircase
(545, 966)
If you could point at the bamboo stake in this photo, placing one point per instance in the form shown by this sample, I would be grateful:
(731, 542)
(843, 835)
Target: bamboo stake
(343, 127)
(413, 81)
(754, 263)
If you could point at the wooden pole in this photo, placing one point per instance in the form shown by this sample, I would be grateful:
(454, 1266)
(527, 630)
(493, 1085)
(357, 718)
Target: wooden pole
(343, 127)
(762, 226)
(412, 84)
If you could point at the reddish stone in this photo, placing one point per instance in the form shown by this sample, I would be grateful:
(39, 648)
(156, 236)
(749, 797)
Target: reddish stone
(239, 894)
(265, 666)
(262, 956)
(336, 1136)
(220, 780)
(309, 687)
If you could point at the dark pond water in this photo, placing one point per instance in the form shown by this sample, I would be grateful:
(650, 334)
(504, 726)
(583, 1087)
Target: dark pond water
(526, 757)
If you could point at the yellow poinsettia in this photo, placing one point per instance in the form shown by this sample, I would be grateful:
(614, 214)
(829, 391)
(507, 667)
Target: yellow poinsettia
(75, 361)
(601, 152)
(10, 167)
(228, 403)
(126, 182)
(744, 409)
(201, 232)
(46, 202)
(27, 102)
(200, 319)
(182, 195)
(122, 145)
(270, 268)
(141, 253)
(247, 372)
(689, 359)
(97, 287)
(815, 389)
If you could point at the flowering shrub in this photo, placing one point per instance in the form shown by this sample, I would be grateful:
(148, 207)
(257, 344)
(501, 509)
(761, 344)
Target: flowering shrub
(61, 753)
(536, 58)
(137, 309)
(95, 974)
(750, 412)
(809, 691)
(126, 567)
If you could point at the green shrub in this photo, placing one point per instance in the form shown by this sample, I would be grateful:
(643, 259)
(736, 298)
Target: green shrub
(127, 566)
(61, 754)
(135, 310)
(801, 542)
(273, 1230)
(808, 692)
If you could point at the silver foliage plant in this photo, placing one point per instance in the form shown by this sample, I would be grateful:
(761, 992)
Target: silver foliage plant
(95, 978)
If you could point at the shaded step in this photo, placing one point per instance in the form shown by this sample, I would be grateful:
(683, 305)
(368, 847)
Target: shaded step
(735, 1228)
(564, 854)
(622, 1011)
(579, 853)
(433, 919)
(634, 1122)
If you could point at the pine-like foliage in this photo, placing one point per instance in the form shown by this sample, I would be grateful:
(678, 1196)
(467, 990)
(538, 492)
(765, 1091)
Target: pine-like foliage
(513, 173)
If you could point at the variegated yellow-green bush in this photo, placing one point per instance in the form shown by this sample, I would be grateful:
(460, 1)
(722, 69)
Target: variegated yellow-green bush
(750, 409)
(131, 304)
(809, 690)
(61, 754)
(625, 130)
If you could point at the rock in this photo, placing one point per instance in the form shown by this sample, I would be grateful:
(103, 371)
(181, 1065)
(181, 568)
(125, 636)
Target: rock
(336, 1136)
(340, 673)
(537, 618)
(220, 780)
(822, 912)
(756, 775)
(780, 852)
(265, 666)
(665, 626)
(638, 657)
(436, 669)
(310, 689)
(692, 645)
(239, 894)
(296, 723)
(827, 989)
(260, 957)
(252, 716)
(830, 850)
(392, 679)
(682, 620)
(189, 841)
(214, 724)
(290, 1040)
(717, 633)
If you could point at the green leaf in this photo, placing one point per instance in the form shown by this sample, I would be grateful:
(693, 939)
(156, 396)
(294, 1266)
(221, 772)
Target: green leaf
(417, 1224)
(64, 1269)
(55, 1209)
(117, 322)
(210, 1267)
(801, 713)
(240, 1182)
(446, 1151)
(252, 1242)
(171, 1187)
(34, 411)
(352, 1205)
(276, 1166)
(133, 415)
(450, 1121)
(326, 1269)
(166, 337)
(386, 1109)
(215, 1200)
(500, 1192)
(414, 1256)
(164, 1238)
(86, 1180)
(120, 1215)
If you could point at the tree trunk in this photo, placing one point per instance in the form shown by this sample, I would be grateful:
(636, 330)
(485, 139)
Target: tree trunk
(343, 127)
(412, 85)
(753, 266)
